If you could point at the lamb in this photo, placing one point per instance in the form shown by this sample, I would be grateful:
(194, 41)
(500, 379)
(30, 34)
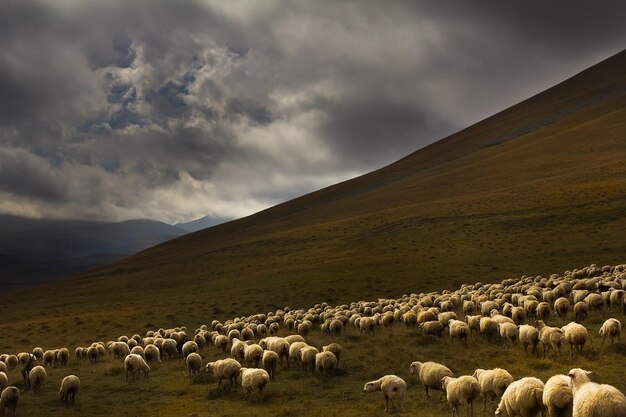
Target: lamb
(37, 377)
(576, 335)
(152, 353)
(194, 364)
(461, 391)
(269, 362)
(393, 388)
(493, 383)
(529, 336)
(252, 354)
(430, 374)
(459, 330)
(224, 369)
(336, 348)
(135, 364)
(8, 399)
(611, 328)
(523, 397)
(325, 361)
(69, 388)
(254, 382)
(557, 396)
(595, 400)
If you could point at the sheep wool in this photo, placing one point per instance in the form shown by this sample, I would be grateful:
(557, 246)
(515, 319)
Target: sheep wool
(430, 374)
(393, 388)
(69, 388)
(595, 400)
(523, 397)
(254, 382)
(557, 396)
(493, 383)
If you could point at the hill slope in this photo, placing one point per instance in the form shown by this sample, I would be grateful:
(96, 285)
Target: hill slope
(539, 186)
(38, 250)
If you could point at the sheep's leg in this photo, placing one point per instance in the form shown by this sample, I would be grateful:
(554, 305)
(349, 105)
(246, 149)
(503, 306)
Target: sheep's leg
(426, 389)
(386, 404)
(485, 404)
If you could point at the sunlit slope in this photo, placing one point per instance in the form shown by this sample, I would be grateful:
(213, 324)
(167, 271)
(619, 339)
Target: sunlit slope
(539, 186)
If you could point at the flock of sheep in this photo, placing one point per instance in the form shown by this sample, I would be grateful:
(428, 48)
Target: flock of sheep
(499, 313)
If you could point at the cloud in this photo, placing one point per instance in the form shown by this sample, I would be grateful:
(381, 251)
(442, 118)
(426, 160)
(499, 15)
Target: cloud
(170, 110)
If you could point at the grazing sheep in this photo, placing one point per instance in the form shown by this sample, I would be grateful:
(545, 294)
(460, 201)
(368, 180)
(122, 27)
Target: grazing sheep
(529, 336)
(461, 391)
(336, 348)
(8, 399)
(488, 328)
(62, 356)
(138, 350)
(518, 314)
(393, 388)
(576, 335)
(152, 353)
(306, 355)
(12, 362)
(189, 347)
(493, 383)
(135, 364)
(459, 330)
(194, 363)
(561, 307)
(294, 351)
(367, 325)
(269, 362)
(276, 344)
(38, 353)
(119, 349)
(292, 338)
(252, 354)
(37, 377)
(595, 302)
(325, 361)
(508, 332)
(4, 380)
(611, 328)
(221, 342)
(595, 400)
(473, 322)
(224, 369)
(254, 382)
(69, 388)
(551, 338)
(523, 397)
(432, 328)
(581, 311)
(3, 367)
(430, 374)
(92, 354)
(557, 396)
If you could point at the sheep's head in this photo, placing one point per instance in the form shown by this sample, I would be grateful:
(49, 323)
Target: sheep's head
(477, 372)
(415, 367)
(578, 376)
(444, 383)
(370, 387)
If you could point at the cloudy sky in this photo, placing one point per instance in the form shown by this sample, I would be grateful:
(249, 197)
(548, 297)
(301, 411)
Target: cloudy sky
(174, 110)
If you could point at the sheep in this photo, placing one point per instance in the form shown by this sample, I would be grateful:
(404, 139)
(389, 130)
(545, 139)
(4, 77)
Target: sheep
(119, 349)
(138, 350)
(168, 349)
(269, 362)
(488, 328)
(561, 307)
(508, 332)
(278, 345)
(189, 347)
(430, 374)
(325, 361)
(135, 364)
(254, 382)
(551, 338)
(69, 388)
(152, 353)
(595, 400)
(581, 311)
(62, 356)
(576, 335)
(393, 388)
(493, 383)
(3, 367)
(307, 357)
(294, 351)
(529, 336)
(36, 378)
(92, 354)
(611, 328)
(461, 391)
(194, 363)
(523, 397)
(367, 325)
(432, 328)
(11, 362)
(4, 380)
(459, 330)
(252, 354)
(557, 396)
(224, 369)
(518, 314)
(336, 348)
(8, 399)
(221, 342)
(595, 302)
(293, 338)
(38, 353)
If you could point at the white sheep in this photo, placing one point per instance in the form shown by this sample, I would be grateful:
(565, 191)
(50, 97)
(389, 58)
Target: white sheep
(224, 369)
(252, 354)
(38, 353)
(459, 330)
(336, 348)
(493, 383)
(523, 397)
(254, 382)
(561, 307)
(62, 356)
(276, 344)
(611, 328)
(488, 328)
(529, 336)
(595, 400)
(119, 350)
(135, 364)
(576, 335)
(168, 349)
(194, 363)
(325, 361)
(189, 347)
(430, 374)
(138, 350)
(461, 391)
(12, 362)
(3, 367)
(393, 388)
(551, 338)
(292, 338)
(508, 332)
(4, 380)
(69, 388)
(152, 353)
(269, 362)
(37, 377)
(557, 396)
(294, 351)
(307, 357)
(8, 399)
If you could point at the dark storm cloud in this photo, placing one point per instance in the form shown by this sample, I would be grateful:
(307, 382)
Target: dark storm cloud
(174, 110)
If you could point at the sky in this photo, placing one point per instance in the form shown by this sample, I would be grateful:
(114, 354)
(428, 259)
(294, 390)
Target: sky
(173, 110)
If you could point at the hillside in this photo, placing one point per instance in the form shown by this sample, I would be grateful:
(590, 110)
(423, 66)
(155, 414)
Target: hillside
(537, 187)
(39, 250)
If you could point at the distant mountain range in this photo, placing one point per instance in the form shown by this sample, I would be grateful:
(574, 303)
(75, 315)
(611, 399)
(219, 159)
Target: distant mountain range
(38, 250)
(201, 223)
